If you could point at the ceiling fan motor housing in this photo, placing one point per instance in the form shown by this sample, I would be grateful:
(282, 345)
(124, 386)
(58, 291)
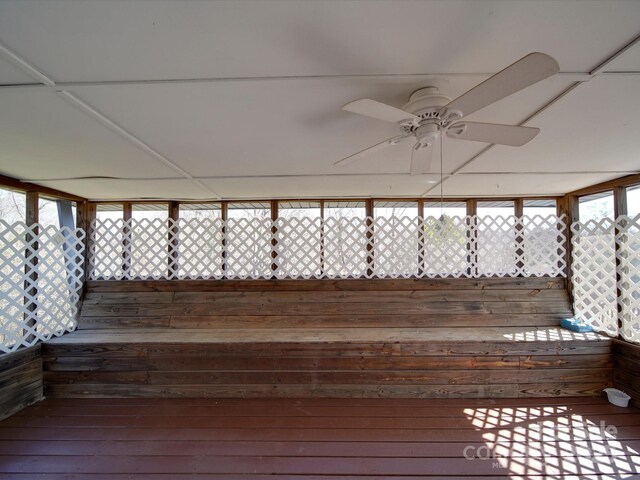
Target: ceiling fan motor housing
(426, 102)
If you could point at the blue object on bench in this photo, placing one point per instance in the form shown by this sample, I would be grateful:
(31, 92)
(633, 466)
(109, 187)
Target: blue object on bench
(575, 325)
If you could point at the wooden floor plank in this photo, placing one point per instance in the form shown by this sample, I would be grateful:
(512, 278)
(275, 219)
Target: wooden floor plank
(330, 402)
(315, 439)
(308, 449)
(620, 465)
(486, 421)
(303, 435)
(181, 409)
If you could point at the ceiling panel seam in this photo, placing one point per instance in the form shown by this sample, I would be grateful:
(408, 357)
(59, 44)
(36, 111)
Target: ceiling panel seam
(574, 76)
(16, 59)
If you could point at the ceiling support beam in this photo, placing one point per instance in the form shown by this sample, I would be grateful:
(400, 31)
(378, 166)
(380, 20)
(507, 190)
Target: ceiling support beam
(595, 71)
(25, 66)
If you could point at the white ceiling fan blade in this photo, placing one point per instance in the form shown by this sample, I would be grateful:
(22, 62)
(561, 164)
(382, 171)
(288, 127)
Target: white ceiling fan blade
(421, 159)
(381, 111)
(492, 133)
(368, 151)
(523, 73)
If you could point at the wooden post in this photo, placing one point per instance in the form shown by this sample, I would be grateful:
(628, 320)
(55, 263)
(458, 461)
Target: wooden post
(619, 208)
(619, 201)
(32, 215)
(30, 286)
(568, 206)
(85, 215)
(322, 238)
(519, 212)
(127, 214)
(224, 213)
(422, 254)
(472, 241)
(173, 246)
(274, 242)
(370, 239)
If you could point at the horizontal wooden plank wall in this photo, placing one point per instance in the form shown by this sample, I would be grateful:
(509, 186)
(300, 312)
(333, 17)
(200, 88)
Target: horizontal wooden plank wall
(325, 303)
(626, 358)
(20, 380)
(326, 338)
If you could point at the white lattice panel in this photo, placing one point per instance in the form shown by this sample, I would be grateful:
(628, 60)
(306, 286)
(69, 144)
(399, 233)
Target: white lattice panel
(543, 249)
(41, 282)
(249, 247)
(496, 246)
(594, 274)
(144, 239)
(396, 247)
(628, 255)
(330, 248)
(106, 250)
(298, 247)
(446, 246)
(345, 247)
(200, 247)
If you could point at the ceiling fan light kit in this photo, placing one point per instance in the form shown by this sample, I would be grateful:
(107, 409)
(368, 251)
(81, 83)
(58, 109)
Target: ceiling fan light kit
(429, 114)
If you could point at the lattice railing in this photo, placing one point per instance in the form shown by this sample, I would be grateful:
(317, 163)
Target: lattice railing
(628, 255)
(605, 275)
(42, 271)
(328, 248)
(200, 247)
(396, 250)
(298, 247)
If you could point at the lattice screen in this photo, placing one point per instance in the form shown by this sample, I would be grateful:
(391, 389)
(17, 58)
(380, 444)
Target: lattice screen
(248, 248)
(345, 247)
(628, 255)
(396, 247)
(200, 247)
(605, 275)
(542, 246)
(328, 248)
(42, 270)
(448, 247)
(298, 247)
(496, 239)
(594, 274)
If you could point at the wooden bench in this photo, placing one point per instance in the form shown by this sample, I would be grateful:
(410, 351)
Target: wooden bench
(326, 338)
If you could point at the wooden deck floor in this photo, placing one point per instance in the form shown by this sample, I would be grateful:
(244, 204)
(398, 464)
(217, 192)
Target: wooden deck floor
(317, 439)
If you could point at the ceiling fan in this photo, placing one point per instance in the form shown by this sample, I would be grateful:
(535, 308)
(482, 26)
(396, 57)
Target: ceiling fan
(429, 114)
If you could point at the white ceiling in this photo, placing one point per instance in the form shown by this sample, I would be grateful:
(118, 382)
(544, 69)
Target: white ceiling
(202, 100)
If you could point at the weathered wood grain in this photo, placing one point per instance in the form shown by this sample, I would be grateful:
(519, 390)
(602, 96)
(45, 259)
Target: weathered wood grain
(559, 308)
(20, 380)
(321, 285)
(626, 358)
(440, 338)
